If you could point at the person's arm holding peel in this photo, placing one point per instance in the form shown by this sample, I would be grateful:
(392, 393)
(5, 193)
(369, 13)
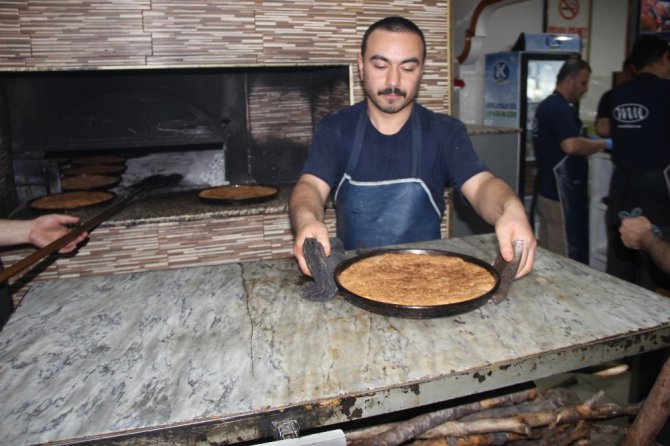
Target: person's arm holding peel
(39, 231)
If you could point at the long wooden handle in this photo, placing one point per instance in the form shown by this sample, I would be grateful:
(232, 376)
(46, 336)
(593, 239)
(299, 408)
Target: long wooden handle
(62, 241)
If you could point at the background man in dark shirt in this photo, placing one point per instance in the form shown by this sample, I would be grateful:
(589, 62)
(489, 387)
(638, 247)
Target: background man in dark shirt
(639, 116)
(562, 167)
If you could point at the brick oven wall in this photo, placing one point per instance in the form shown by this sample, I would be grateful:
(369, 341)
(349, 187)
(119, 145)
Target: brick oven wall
(67, 34)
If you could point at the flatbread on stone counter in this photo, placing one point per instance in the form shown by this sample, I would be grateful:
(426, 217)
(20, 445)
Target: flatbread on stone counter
(410, 279)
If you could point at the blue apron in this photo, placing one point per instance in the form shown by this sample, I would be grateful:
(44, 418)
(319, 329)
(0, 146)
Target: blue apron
(379, 213)
(572, 174)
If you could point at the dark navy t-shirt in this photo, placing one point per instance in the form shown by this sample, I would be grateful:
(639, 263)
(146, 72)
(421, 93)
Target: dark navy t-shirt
(447, 156)
(604, 105)
(640, 120)
(555, 121)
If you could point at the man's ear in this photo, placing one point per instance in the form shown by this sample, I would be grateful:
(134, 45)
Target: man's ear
(361, 69)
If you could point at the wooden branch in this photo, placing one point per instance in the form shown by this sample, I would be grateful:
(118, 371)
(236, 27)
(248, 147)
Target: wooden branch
(408, 430)
(521, 423)
(493, 439)
(550, 399)
(546, 421)
(597, 397)
(566, 434)
(507, 438)
(609, 429)
(366, 433)
(655, 411)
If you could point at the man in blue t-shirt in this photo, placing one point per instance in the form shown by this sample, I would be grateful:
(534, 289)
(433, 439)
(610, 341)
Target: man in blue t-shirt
(639, 113)
(562, 169)
(388, 159)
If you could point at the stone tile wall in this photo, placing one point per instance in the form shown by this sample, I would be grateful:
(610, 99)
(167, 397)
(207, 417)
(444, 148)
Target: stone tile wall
(73, 34)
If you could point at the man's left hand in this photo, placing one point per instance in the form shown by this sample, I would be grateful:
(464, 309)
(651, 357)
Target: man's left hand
(513, 225)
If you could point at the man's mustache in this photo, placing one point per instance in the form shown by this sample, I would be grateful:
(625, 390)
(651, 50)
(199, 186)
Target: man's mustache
(395, 91)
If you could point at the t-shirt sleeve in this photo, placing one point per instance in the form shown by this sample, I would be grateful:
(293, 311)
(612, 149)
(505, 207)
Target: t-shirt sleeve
(603, 105)
(461, 160)
(564, 123)
(324, 159)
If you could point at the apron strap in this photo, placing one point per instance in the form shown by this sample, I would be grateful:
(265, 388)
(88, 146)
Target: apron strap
(358, 141)
(416, 143)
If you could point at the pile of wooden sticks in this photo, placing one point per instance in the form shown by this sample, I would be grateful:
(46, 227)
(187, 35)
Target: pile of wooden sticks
(555, 417)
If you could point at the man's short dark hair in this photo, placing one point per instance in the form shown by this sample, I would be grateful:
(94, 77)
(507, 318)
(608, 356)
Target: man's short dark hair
(647, 50)
(394, 24)
(571, 68)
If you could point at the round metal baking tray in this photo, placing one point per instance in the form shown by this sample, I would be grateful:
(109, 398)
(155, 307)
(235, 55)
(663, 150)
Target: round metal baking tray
(102, 197)
(95, 182)
(96, 169)
(238, 194)
(416, 311)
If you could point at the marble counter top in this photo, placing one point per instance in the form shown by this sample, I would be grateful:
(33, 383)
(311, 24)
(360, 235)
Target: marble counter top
(217, 353)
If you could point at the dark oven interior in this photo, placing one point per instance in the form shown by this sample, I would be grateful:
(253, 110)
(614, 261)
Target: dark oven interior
(235, 125)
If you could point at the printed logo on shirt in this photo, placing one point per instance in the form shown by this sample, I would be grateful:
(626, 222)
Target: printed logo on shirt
(629, 115)
(501, 72)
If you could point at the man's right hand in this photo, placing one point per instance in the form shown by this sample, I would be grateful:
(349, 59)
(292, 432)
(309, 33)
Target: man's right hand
(635, 232)
(317, 230)
(306, 209)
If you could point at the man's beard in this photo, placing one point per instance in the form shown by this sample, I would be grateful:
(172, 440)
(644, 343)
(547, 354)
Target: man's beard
(392, 106)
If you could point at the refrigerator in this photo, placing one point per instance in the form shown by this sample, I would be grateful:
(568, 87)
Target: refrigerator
(516, 82)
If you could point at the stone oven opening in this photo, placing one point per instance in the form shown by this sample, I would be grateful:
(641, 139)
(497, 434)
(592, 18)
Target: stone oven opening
(216, 125)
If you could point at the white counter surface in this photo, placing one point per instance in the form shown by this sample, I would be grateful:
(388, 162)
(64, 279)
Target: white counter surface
(216, 353)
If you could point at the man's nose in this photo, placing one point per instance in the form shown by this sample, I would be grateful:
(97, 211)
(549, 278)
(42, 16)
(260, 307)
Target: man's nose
(393, 77)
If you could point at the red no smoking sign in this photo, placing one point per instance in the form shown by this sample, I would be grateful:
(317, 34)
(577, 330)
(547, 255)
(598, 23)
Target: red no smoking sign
(568, 9)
